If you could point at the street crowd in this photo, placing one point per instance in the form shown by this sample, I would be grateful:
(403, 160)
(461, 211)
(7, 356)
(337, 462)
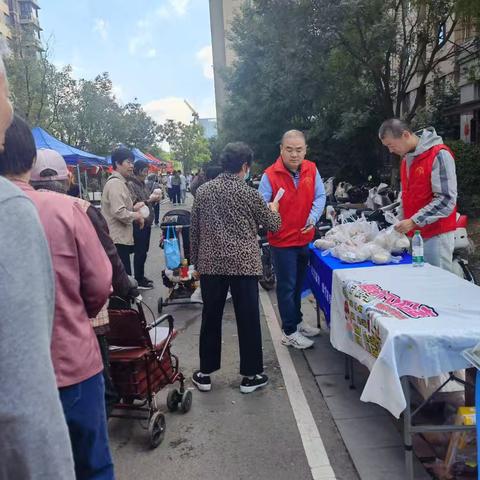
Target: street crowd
(61, 259)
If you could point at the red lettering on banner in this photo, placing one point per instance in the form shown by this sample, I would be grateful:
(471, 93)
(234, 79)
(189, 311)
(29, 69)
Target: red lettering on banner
(407, 307)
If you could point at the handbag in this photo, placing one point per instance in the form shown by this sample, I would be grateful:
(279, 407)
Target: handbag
(171, 249)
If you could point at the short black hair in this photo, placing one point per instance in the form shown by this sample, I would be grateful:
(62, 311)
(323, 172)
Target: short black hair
(20, 151)
(120, 154)
(139, 165)
(234, 155)
(393, 127)
(212, 171)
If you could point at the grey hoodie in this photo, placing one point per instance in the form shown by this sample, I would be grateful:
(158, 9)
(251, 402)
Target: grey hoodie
(444, 179)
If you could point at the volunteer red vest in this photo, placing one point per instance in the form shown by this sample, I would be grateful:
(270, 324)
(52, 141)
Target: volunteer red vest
(295, 205)
(417, 191)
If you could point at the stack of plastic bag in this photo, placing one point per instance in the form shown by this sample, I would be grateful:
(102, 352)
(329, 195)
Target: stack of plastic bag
(361, 240)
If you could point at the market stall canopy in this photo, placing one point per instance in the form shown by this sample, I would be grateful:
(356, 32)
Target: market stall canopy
(168, 166)
(138, 156)
(72, 155)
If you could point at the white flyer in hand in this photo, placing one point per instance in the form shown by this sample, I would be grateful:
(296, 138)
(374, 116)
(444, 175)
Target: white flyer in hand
(279, 195)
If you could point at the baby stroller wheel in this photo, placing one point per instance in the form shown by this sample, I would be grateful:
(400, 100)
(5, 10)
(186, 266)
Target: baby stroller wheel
(173, 399)
(156, 429)
(160, 305)
(186, 404)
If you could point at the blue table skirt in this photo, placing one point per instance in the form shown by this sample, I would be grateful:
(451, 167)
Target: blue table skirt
(320, 275)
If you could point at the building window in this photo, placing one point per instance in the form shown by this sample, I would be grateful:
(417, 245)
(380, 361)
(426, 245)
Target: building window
(477, 90)
(442, 34)
(25, 11)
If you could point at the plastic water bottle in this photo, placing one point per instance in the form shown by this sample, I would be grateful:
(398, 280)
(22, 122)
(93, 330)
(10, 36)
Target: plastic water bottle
(417, 249)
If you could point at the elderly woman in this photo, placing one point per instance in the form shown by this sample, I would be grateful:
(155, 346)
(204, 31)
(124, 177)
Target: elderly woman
(226, 215)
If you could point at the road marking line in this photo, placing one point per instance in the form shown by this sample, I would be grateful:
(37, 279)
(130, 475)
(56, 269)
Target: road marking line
(312, 442)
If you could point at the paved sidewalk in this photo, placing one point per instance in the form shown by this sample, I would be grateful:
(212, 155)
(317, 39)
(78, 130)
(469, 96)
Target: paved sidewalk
(371, 434)
(226, 435)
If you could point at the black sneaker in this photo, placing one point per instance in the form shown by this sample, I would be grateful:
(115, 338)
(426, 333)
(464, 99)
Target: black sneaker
(204, 384)
(250, 385)
(148, 280)
(144, 285)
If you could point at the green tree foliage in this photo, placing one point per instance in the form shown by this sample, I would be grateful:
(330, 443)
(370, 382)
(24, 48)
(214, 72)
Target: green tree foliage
(468, 176)
(187, 143)
(83, 113)
(336, 69)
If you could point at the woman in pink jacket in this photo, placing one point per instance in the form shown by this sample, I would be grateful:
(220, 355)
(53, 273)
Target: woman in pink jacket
(83, 279)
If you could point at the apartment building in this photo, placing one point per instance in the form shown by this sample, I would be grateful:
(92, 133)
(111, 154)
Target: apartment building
(19, 22)
(222, 12)
(462, 69)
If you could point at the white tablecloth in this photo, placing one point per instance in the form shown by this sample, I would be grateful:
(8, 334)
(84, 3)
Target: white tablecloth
(403, 320)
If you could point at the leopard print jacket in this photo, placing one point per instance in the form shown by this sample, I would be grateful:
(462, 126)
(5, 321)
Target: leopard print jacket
(226, 215)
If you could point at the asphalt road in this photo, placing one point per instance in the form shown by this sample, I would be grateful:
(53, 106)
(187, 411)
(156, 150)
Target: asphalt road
(226, 435)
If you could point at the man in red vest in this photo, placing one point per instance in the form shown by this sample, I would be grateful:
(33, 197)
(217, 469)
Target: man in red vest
(300, 209)
(429, 188)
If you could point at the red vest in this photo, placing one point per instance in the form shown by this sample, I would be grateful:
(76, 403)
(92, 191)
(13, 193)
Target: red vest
(295, 205)
(417, 191)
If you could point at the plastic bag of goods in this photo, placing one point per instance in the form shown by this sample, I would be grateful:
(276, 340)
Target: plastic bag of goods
(324, 244)
(379, 255)
(392, 241)
(351, 254)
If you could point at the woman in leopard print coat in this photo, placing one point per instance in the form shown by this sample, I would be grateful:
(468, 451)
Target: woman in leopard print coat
(226, 215)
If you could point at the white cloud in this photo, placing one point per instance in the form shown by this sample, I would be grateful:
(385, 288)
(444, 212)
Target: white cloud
(142, 40)
(205, 57)
(151, 53)
(172, 8)
(180, 6)
(101, 27)
(169, 108)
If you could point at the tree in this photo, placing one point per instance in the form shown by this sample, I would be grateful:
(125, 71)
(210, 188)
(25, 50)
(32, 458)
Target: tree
(342, 68)
(29, 72)
(187, 143)
(83, 113)
(140, 130)
(397, 44)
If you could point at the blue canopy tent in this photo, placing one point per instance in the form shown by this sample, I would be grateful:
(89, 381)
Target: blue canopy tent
(138, 156)
(73, 156)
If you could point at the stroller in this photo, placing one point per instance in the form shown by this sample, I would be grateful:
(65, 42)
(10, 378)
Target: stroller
(180, 289)
(141, 364)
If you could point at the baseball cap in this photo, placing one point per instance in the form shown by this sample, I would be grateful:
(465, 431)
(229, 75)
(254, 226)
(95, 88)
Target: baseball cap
(49, 160)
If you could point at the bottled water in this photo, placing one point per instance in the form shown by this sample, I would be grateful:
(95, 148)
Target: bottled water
(417, 249)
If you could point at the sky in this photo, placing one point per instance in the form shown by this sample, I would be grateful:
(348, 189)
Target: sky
(158, 51)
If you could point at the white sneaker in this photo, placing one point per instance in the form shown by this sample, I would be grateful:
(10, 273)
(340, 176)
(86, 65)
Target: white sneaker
(296, 340)
(307, 330)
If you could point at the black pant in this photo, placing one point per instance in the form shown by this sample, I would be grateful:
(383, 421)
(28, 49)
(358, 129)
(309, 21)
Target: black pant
(111, 395)
(124, 252)
(156, 211)
(176, 194)
(141, 238)
(244, 291)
